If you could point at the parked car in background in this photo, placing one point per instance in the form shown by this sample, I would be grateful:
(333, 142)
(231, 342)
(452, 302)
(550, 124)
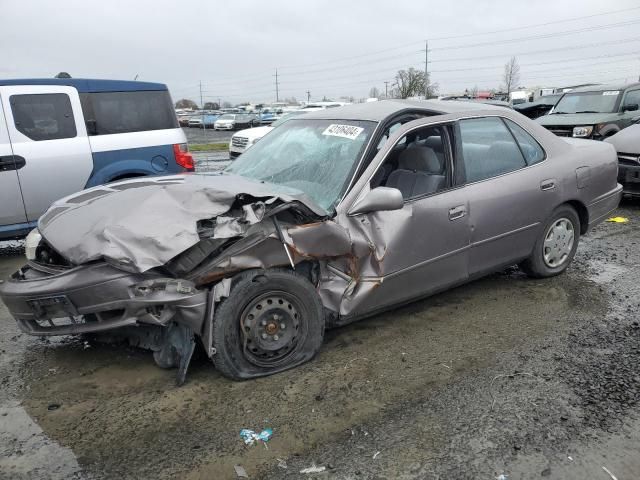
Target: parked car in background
(244, 139)
(59, 136)
(204, 120)
(183, 119)
(235, 121)
(627, 144)
(328, 219)
(594, 112)
(538, 107)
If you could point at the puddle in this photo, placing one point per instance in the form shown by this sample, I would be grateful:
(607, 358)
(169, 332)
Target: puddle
(606, 272)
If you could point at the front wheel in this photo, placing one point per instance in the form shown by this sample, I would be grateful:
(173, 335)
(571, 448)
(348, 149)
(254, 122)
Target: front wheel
(555, 248)
(272, 321)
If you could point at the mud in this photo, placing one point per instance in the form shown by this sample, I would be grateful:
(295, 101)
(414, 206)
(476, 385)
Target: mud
(506, 375)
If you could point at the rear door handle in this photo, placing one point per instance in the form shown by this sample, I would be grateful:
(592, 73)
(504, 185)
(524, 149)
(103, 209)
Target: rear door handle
(457, 212)
(547, 185)
(11, 162)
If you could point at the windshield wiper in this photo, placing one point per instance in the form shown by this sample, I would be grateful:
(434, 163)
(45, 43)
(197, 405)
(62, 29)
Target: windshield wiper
(559, 113)
(587, 111)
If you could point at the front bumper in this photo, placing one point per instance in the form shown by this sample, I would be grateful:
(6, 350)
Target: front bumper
(629, 178)
(98, 297)
(224, 127)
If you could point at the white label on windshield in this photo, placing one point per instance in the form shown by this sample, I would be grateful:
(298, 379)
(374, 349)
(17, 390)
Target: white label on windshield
(344, 131)
(611, 92)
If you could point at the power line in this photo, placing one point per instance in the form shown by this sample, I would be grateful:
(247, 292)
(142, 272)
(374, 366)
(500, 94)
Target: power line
(540, 36)
(513, 29)
(466, 69)
(573, 19)
(565, 48)
(551, 70)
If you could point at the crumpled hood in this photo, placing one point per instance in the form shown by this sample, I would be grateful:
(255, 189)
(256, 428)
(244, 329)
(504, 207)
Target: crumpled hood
(143, 223)
(626, 140)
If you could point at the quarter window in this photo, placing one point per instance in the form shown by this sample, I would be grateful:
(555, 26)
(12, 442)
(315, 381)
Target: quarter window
(43, 116)
(488, 149)
(531, 149)
(122, 112)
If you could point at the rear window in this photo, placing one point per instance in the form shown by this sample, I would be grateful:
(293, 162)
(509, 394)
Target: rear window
(107, 113)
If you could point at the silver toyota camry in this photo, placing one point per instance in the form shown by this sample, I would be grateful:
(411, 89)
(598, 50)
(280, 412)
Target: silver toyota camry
(331, 217)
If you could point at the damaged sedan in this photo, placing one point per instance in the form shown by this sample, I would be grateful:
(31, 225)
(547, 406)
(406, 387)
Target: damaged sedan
(332, 217)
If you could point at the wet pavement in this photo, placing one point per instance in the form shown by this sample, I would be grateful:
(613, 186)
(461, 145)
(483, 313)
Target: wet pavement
(503, 376)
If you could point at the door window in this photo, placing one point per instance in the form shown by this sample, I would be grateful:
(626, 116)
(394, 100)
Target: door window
(533, 152)
(43, 116)
(488, 149)
(632, 98)
(417, 165)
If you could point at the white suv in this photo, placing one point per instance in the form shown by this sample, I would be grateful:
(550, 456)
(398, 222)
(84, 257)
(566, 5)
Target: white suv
(243, 139)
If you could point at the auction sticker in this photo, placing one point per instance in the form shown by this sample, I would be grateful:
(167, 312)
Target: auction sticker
(611, 92)
(344, 131)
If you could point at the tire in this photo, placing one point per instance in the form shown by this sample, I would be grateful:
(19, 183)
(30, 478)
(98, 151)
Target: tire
(263, 302)
(561, 234)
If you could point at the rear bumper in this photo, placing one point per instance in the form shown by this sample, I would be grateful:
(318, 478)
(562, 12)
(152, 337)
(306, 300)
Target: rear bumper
(58, 304)
(629, 178)
(604, 205)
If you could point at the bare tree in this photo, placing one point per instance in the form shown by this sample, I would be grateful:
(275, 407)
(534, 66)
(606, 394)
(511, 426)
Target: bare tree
(511, 76)
(186, 103)
(411, 83)
(211, 106)
(374, 92)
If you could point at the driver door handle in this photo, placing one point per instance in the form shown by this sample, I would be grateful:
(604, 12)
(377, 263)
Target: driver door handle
(548, 185)
(457, 212)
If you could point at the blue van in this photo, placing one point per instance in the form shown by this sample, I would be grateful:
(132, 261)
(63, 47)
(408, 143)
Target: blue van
(59, 136)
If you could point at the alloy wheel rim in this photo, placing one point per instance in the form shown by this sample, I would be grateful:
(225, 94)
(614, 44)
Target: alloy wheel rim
(558, 243)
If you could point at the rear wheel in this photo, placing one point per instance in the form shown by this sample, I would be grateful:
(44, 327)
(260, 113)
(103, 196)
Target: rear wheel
(555, 248)
(271, 321)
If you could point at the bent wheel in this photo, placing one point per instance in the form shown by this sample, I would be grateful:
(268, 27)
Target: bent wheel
(556, 246)
(272, 320)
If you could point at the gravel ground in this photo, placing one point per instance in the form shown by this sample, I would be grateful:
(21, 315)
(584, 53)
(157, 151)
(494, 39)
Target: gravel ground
(503, 376)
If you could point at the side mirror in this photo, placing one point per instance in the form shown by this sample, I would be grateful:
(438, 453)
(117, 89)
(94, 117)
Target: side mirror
(630, 107)
(379, 199)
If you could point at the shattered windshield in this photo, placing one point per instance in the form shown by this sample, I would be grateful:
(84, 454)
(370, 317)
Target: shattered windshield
(588, 102)
(316, 157)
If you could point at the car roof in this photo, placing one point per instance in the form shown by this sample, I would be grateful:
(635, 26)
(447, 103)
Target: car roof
(378, 111)
(88, 85)
(604, 88)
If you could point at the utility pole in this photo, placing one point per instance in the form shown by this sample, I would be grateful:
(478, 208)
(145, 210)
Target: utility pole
(308, 96)
(426, 69)
(386, 89)
(201, 104)
(277, 87)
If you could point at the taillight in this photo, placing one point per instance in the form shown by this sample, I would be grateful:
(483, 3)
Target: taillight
(183, 157)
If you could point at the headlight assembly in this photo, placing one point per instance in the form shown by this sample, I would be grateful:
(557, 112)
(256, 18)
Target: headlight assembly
(31, 244)
(582, 132)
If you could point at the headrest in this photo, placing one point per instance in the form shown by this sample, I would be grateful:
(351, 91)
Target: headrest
(420, 159)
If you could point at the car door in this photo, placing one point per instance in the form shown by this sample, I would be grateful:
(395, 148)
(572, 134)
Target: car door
(422, 247)
(510, 192)
(11, 206)
(47, 129)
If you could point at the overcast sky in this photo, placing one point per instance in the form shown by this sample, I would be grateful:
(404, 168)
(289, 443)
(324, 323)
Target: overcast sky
(331, 48)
